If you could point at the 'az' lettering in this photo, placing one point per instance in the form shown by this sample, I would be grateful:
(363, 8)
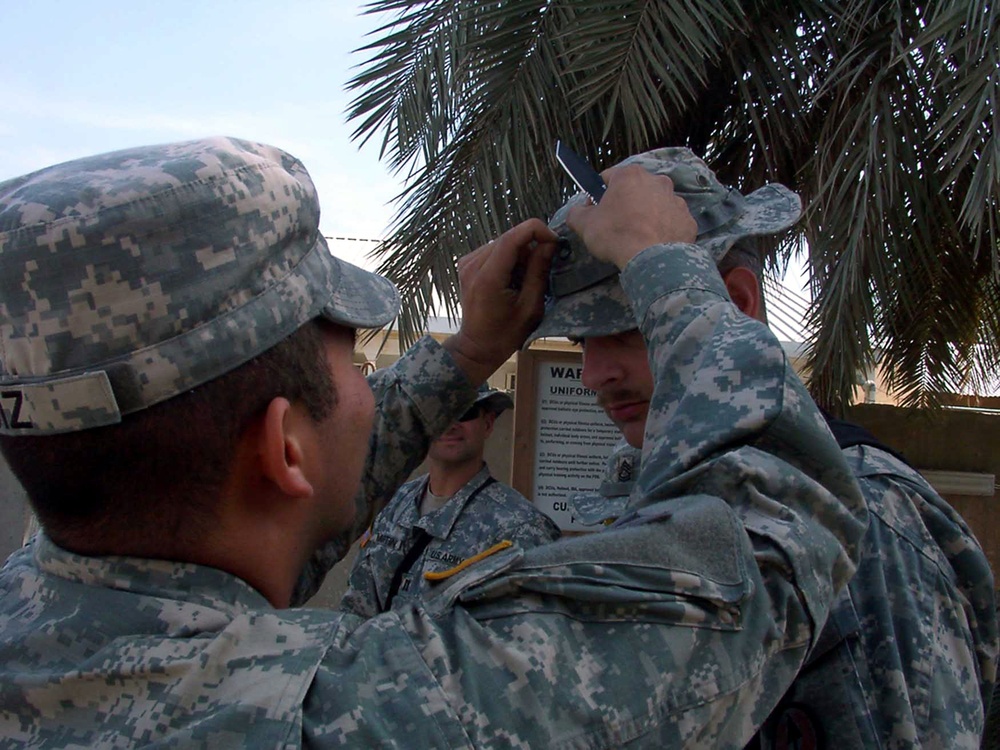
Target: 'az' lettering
(14, 420)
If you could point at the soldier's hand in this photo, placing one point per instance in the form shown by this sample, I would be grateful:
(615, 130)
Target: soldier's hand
(503, 293)
(638, 210)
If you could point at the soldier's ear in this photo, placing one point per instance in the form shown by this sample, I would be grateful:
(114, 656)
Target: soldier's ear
(281, 449)
(490, 418)
(741, 283)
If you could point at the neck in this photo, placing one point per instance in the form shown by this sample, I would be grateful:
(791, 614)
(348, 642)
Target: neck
(265, 542)
(447, 479)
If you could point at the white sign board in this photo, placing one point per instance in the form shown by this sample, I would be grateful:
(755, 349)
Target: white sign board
(573, 439)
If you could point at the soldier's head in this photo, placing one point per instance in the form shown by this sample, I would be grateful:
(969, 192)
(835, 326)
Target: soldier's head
(157, 306)
(463, 443)
(588, 305)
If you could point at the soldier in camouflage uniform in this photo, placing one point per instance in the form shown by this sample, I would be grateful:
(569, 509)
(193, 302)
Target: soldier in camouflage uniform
(449, 517)
(157, 301)
(908, 656)
(603, 506)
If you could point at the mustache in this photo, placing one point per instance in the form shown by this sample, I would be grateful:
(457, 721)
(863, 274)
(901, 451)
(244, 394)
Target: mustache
(617, 396)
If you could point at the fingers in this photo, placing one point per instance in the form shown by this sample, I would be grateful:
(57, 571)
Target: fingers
(520, 255)
(470, 263)
(502, 287)
(514, 247)
(638, 210)
(536, 276)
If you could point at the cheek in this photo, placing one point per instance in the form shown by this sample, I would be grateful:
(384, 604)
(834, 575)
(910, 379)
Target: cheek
(355, 409)
(362, 407)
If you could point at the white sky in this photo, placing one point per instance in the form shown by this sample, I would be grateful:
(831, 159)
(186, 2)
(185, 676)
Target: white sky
(81, 77)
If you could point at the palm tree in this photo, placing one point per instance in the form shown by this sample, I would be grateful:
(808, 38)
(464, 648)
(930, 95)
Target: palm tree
(881, 114)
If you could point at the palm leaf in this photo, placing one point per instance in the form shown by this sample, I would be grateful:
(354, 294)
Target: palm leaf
(881, 114)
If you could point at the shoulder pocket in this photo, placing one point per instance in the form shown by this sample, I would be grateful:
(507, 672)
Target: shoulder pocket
(684, 561)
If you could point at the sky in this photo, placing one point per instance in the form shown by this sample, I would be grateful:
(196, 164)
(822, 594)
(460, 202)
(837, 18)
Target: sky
(84, 77)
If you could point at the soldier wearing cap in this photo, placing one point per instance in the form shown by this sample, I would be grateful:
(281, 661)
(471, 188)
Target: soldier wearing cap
(440, 522)
(180, 402)
(908, 655)
(601, 507)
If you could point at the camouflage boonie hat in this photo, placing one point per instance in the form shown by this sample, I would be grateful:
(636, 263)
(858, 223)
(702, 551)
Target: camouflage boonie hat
(585, 298)
(494, 399)
(133, 276)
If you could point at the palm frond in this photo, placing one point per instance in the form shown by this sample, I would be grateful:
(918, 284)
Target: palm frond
(881, 114)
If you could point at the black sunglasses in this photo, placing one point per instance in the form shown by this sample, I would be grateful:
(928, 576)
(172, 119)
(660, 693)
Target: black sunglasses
(473, 413)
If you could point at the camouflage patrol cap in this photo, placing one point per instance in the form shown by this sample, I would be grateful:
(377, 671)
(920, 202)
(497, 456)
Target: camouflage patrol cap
(585, 298)
(494, 399)
(130, 277)
(609, 502)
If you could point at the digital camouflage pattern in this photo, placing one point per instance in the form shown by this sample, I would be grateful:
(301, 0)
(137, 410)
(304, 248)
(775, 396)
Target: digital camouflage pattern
(679, 626)
(130, 277)
(481, 515)
(604, 506)
(585, 297)
(908, 657)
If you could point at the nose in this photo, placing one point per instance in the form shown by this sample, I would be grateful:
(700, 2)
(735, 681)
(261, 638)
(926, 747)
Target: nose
(600, 365)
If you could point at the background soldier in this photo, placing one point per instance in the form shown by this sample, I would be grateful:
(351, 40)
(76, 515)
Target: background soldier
(436, 523)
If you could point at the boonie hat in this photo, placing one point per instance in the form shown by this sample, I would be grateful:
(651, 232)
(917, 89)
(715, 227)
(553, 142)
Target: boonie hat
(130, 277)
(585, 298)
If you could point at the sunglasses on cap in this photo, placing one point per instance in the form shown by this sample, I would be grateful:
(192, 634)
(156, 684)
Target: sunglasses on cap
(474, 411)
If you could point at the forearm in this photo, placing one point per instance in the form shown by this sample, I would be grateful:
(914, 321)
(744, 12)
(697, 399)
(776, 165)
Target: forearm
(730, 418)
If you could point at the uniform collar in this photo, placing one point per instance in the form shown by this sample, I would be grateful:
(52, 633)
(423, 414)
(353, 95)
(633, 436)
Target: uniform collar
(439, 523)
(162, 579)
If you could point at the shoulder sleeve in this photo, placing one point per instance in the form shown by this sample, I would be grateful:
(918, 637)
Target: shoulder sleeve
(729, 417)
(526, 524)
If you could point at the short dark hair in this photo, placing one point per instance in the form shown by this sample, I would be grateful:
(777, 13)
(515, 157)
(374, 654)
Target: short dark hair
(744, 254)
(151, 481)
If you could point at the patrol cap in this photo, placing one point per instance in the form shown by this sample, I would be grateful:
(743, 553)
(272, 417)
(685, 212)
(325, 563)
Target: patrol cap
(610, 501)
(585, 298)
(130, 277)
(494, 399)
